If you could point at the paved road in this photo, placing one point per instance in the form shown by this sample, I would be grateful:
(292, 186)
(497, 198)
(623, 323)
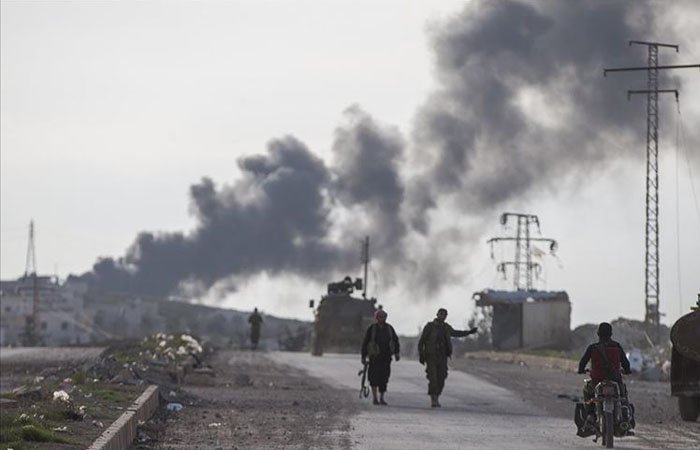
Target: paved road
(475, 413)
(20, 365)
(47, 355)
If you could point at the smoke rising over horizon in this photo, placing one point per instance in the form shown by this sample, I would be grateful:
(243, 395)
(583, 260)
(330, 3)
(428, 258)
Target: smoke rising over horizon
(521, 105)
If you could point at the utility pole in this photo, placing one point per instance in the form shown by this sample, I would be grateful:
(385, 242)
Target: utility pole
(523, 267)
(31, 332)
(651, 270)
(365, 262)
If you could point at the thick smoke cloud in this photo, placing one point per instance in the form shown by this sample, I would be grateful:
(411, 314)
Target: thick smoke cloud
(523, 100)
(521, 104)
(276, 218)
(367, 158)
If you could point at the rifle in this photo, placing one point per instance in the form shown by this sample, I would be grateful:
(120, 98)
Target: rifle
(364, 389)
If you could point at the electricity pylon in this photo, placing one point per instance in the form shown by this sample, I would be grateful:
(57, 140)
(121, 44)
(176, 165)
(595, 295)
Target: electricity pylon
(651, 269)
(31, 333)
(524, 269)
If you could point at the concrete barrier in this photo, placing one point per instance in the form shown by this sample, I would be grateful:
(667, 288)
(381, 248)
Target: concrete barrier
(121, 434)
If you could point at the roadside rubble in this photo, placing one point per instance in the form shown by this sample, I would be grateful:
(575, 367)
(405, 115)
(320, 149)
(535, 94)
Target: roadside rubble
(163, 359)
(72, 405)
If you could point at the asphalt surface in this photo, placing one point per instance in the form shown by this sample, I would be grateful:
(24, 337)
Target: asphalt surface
(45, 355)
(20, 365)
(475, 413)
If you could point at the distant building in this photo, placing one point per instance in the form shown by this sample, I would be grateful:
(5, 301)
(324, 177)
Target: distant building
(60, 314)
(68, 313)
(527, 319)
(123, 316)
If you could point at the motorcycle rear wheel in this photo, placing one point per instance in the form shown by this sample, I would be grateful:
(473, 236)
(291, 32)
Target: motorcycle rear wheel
(689, 408)
(608, 430)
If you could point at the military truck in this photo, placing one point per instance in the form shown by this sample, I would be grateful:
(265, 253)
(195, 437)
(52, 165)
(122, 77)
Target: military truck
(340, 319)
(685, 363)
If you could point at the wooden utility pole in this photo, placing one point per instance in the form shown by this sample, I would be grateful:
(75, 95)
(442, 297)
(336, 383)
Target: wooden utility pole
(365, 262)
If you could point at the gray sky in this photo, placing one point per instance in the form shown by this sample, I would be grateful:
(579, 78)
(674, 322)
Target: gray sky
(415, 124)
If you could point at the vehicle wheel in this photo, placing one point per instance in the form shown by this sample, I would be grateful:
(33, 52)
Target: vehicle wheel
(316, 347)
(689, 408)
(608, 430)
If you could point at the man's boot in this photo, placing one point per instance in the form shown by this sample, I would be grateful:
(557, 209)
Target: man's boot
(437, 403)
(433, 401)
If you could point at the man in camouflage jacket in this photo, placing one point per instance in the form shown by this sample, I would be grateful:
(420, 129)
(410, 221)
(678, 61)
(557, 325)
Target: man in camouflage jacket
(434, 347)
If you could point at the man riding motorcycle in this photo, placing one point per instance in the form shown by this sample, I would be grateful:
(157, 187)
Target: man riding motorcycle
(607, 359)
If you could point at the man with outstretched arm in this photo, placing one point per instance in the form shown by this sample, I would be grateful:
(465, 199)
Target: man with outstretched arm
(434, 347)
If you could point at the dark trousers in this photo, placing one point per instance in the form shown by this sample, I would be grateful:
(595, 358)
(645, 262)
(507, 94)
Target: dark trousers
(436, 373)
(254, 335)
(379, 371)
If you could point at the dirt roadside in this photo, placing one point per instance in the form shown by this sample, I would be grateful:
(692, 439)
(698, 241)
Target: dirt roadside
(33, 417)
(251, 402)
(554, 390)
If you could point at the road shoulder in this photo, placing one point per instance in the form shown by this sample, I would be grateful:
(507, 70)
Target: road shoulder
(252, 402)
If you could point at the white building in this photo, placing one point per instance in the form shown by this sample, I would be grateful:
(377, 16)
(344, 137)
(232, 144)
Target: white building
(60, 311)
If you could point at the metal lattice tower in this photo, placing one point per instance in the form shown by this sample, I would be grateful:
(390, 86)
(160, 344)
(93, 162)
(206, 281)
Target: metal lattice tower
(651, 287)
(31, 332)
(524, 269)
(651, 259)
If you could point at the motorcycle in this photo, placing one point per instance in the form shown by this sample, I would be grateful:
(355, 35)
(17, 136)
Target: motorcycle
(614, 414)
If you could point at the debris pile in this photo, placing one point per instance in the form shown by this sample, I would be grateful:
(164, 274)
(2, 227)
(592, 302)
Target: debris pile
(170, 347)
(163, 359)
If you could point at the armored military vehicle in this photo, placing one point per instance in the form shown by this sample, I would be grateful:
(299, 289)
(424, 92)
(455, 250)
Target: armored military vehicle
(340, 319)
(685, 363)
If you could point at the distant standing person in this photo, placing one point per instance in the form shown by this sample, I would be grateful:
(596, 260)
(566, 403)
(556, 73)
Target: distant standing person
(434, 347)
(255, 320)
(380, 343)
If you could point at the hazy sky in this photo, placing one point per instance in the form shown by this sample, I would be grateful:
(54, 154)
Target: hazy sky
(258, 142)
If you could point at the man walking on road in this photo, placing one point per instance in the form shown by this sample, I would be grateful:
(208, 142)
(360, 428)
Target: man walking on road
(380, 343)
(255, 320)
(434, 347)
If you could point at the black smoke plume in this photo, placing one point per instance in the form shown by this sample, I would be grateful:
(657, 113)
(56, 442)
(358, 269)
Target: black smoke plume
(275, 218)
(522, 99)
(521, 105)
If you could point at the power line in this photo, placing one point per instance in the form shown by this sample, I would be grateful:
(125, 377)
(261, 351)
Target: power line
(687, 161)
(678, 221)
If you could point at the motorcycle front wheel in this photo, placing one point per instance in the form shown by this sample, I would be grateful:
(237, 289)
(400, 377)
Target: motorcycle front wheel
(608, 430)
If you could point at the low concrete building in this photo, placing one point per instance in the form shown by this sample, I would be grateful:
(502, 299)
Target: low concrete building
(60, 318)
(527, 319)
